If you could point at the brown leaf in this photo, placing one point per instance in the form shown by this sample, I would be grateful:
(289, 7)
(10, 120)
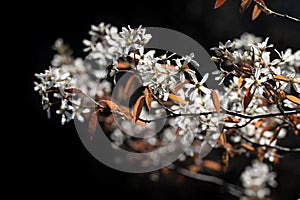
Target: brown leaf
(244, 5)
(138, 106)
(176, 98)
(216, 101)
(125, 112)
(73, 90)
(247, 147)
(248, 96)
(225, 158)
(219, 3)
(231, 119)
(112, 106)
(241, 82)
(213, 165)
(280, 78)
(256, 11)
(141, 123)
(180, 85)
(293, 99)
(148, 98)
(130, 86)
(258, 123)
(123, 65)
(223, 138)
(93, 122)
(275, 134)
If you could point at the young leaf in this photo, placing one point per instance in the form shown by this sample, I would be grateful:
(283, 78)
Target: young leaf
(219, 3)
(176, 98)
(256, 11)
(148, 98)
(213, 165)
(130, 86)
(112, 106)
(138, 106)
(125, 112)
(241, 82)
(244, 5)
(247, 147)
(293, 99)
(123, 65)
(225, 158)
(93, 122)
(280, 78)
(216, 101)
(248, 96)
(275, 134)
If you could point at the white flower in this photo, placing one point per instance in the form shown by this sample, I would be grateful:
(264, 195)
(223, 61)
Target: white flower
(65, 111)
(256, 178)
(194, 89)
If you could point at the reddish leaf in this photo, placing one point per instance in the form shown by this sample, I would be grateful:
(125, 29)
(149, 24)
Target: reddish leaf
(130, 86)
(73, 90)
(148, 98)
(256, 11)
(93, 122)
(293, 99)
(123, 65)
(248, 96)
(231, 119)
(225, 158)
(213, 165)
(176, 98)
(216, 101)
(275, 134)
(280, 78)
(112, 106)
(247, 147)
(219, 3)
(241, 82)
(244, 5)
(125, 112)
(223, 138)
(138, 106)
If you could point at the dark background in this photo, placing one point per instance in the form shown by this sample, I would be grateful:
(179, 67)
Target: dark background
(55, 159)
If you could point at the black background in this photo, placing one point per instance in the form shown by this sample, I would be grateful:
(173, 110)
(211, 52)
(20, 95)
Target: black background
(55, 159)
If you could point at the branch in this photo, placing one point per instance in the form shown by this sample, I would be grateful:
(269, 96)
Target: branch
(268, 11)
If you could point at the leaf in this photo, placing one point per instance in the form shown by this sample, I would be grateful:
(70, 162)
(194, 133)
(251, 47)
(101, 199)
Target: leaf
(213, 165)
(248, 96)
(130, 86)
(256, 12)
(247, 147)
(281, 78)
(176, 98)
(219, 3)
(137, 109)
(148, 98)
(112, 106)
(223, 138)
(231, 119)
(180, 85)
(73, 90)
(123, 65)
(225, 158)
(125, 112)
(275, 134)
(293, 99)
(93, 122)
(241, 82)
(216, 101)
(244, 5)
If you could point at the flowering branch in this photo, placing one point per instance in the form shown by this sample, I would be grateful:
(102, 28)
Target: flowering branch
(133, 90)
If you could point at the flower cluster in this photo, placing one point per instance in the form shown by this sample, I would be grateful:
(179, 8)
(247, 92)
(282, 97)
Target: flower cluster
(164, 98)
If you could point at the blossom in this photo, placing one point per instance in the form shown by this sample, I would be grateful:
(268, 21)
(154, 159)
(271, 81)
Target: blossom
(194, 89)
(256, 178)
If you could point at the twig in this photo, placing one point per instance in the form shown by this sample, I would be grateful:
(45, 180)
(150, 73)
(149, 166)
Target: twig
(268, 11)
